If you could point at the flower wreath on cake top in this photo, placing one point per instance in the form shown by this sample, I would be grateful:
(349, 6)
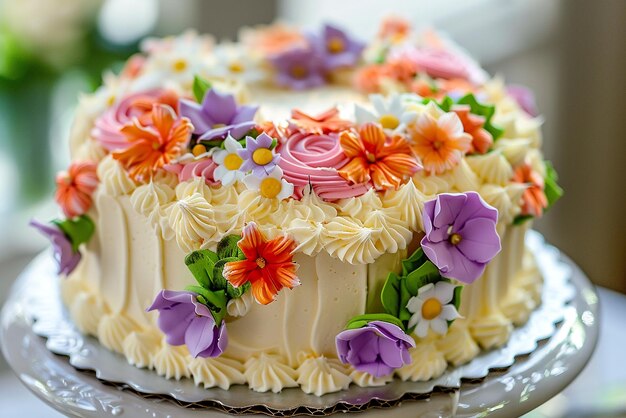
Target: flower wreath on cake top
(241, 194)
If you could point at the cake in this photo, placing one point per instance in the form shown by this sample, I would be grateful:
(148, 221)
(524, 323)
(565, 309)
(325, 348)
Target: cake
(300, 209)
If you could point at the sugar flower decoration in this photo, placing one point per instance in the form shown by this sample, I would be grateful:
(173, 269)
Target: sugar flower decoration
(474, 125)
(75, 187)
(440, 142)
(324, 123)
(390, 113)
(67, 258)
(258, 156)
(232, 62)
(386, 162)
(271, 186)
(298, 69)
(337, 48)
(461, 235)
(268, 266)
(432, 308)
(534, 199)
(524, 98)
(378, 348)
(185, 321)
(218, 116)
(153, 145)
(229, 162)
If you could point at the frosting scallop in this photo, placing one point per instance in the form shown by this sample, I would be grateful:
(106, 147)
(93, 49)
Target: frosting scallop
(171, 362)
(491, 168)
(89, 150)
(513, 149)
(268, 372)
(348, 240)
(255, 207)
(221, 373)
(491, 331)
(504, 199)
(457, 345)
(113, 329)
(409, 201)
(86, 312)
(394, 235)
(114, 180)
(314, 159)
(191, 186)
(366, 380)
(427, 362)
(193, 221)
(150, 200)
(140, 347)
(309, 236)
(359, 207)
(319, 375)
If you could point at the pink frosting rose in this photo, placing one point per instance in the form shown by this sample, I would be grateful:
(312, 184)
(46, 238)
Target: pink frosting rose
(199, 168)
(107, 127)
(314, 158)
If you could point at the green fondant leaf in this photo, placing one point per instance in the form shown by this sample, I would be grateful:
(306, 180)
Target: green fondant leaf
(214, 143)
(421, 276)
(200, 87)
(445, 104)
(219, 282)
(78, 230)
(390, 295)
(228, 247)
(483, 110)
(456, 299)
(552, 190)
(215, 300)
(362, 320)
(201, 263)
(403, 313)
(520, 219)
(414, 261)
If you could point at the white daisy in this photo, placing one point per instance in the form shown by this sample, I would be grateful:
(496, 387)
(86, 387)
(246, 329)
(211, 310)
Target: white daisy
(272, 186)
(233, 62)
(390, 112)
(432, 308)
(228, 162)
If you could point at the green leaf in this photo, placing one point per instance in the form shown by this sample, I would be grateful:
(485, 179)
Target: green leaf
(403, 313)
(219, 282)
(362, 320)
(78, 230)
(390, 295)
(237, 292)
(200, 87)
(445, 104)
(520, 219)
(424, 274)
(214, 300)
(456, 299)
(483, 110)
(213, 143)
(552, 190)
(228, 247)
(414, 261)
(201, 263)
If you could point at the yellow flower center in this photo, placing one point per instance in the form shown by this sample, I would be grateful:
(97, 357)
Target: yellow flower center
(455, 239)
(335, 45)
(111, 100)
(298, 71)
(270, 187)
(431, 308)
(437, 144)
(236, 67)
(218, 125)
(261, 262)
(262, 156)
(389, 121)
(198, 149)
(179, 65)
(370, 157)
(232, 162)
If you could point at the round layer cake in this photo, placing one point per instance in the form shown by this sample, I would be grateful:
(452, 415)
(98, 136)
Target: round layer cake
(300, 209)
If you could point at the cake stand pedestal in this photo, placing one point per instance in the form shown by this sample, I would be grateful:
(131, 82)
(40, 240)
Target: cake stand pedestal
(528, 383)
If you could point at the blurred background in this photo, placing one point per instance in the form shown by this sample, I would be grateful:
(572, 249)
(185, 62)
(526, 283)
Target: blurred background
(572, 53)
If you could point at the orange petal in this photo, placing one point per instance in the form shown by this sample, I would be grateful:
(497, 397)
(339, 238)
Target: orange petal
(373, 137)
(264, 292)
(351, 144)
(238, 272)
(252, 242)
(279, 250)
(163, 118)
(356, 171)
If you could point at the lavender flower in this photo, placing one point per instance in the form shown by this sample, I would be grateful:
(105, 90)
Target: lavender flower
(524, 98)
(64, 253)
(461, 235)
(184, 320)
(218, 116)
(337, 48)
(378, 348)
(258, 156)
(298, 69)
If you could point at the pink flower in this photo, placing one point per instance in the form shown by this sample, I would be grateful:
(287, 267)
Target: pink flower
(75, 187)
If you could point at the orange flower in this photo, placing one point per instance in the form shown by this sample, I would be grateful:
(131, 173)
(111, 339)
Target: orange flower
(534, 200)
(387, 162)
(370, 77)
(153, 145)
(440, 143)
(75, 187)
(273, 39)
(325, 122)
(482, 140)
(394, 28)
(268, 265)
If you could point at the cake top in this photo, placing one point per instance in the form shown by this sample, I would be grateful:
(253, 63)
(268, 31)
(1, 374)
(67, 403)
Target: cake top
(278, 129)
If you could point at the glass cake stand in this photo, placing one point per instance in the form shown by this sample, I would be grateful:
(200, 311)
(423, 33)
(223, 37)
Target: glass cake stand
(511, 381)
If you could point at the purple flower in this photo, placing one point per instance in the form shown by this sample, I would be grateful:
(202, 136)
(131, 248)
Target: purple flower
(64, 253)
(524, 98)
(461, 235)
(377, 348)
(298, 69)
(337, 48)
(184, 320)
(257, 156)
(218, 116)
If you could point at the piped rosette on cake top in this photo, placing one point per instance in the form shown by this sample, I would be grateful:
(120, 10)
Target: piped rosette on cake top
(438, 159)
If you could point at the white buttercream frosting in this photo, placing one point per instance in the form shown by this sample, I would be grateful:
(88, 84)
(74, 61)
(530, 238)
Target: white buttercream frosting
(408, 200)
(240, 306)
(427, 362)
(113, 329)
(140, 347)
(491, 168)
(216, 372)
(348, 240)
(458, 346)
(319, 375)
(114, 179)
(267, 372)
(87, 311)
(492, 330)
(366, 380)
(193, 221)
(394, 234)
(194, 185)
(171, 362)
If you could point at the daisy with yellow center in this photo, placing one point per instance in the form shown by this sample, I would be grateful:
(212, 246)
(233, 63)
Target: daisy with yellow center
(229, 162)
(432, 308)
(391, 113)
(271, 186)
